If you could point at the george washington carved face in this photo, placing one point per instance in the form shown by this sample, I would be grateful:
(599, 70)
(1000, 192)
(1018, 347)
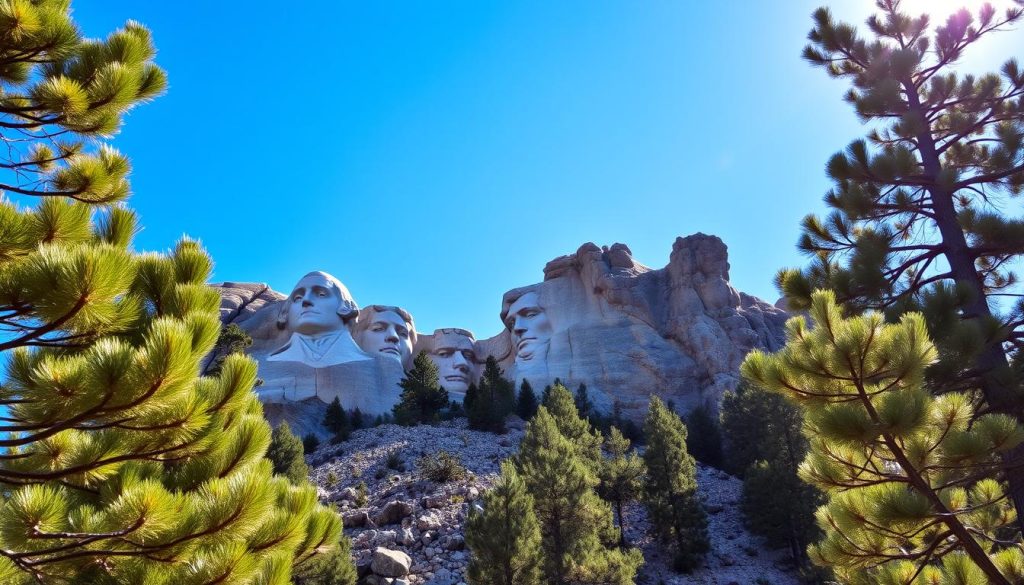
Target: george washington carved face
(318, 304)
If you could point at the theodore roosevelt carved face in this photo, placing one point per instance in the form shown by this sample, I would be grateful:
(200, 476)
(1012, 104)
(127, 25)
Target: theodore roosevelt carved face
(455, 357)
(530, 327)
(387, 331)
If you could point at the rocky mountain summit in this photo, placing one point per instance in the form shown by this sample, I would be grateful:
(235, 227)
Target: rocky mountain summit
(407, 529)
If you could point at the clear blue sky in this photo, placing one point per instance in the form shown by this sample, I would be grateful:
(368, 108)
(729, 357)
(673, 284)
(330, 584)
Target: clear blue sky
(435, 155)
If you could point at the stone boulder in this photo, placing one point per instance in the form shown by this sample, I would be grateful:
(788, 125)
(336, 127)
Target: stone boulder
(390, 563)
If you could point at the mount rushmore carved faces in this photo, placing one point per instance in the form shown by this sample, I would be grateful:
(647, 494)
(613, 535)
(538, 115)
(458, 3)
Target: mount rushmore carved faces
(317, 313)
(531, 329)
(387, 331)
(453, 351)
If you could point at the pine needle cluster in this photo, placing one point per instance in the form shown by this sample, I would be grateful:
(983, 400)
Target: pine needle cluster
(923, 210)
(910, 477)
(119, 462)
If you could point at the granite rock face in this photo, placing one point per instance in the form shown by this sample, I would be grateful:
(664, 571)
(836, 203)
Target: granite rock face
(626, 330)
(598, 317)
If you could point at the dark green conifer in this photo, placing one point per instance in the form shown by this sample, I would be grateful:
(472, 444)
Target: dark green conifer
(526, 401)
(357, 419)
(621, 477)
(910, 477)
(286, 453)
(422, 395)
(765, 447)
(576, 525)
(504, 540)
(584, 406)
(333, 568)
(670, 490)
(576, 429)
(924, 215)
(336, 420)
(310, 443)
(703, 436)
(494, 400)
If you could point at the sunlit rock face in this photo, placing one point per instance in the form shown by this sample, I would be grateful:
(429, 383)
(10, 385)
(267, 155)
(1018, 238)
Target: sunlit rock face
(627, 331)
(597, 317)
(307, 354)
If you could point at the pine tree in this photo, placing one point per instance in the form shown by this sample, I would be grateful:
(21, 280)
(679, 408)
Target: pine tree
(909, 476)
(357, 419)
(422, 395)
(232, 339)
(576, 525)
(310, 443)
(765, 446)
(470, 397)
(504, 539)
(494, 400)
(584, 406)
(920, 218)
(336, 421)
(703, 437)
(286, 452)
(119, 462)
(333, 568)
(526, 402)
(588, 442)
(621, 477)
(670, 490)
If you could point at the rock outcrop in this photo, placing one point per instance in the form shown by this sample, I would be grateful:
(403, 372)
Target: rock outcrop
(598, 318)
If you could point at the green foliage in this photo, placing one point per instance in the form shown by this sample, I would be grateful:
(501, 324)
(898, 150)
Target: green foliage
(394, 460)
(332, 568)
(584, 406)
(232, 339)
(621, 476)
(493, 400)
(923, 217)
(119, 461)
(286, 453)
(362, 495)
(526, 401)
(504, 539)
(909, 477)
(357, 419)
(576, 525)
(670, 490)
(310, 443)
(765, 446)
(562, 407)
(441, 467)
(703, 437)
(336, 421)
(422, 395)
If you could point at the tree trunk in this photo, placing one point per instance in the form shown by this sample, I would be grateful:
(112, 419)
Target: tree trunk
(991, 361)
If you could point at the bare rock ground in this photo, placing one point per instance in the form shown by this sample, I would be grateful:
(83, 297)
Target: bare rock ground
(405, 512)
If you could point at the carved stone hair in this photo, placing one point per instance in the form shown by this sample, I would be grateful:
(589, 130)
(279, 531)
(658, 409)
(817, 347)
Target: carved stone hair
(511, 297)
(366, 319)
(347, 307)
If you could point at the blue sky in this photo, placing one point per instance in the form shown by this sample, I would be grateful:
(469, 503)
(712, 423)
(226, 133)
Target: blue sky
(435, 155)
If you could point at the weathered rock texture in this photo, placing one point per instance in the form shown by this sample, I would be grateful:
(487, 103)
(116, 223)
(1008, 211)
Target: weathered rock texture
(627, 330)
(622, 328)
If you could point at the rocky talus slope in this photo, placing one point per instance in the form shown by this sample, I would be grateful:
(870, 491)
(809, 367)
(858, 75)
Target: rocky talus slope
(409, 530)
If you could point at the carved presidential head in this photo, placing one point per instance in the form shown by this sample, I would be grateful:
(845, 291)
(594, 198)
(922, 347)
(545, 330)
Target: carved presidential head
(386, 330)
(453, 351)
(528, 323)
(318, 304)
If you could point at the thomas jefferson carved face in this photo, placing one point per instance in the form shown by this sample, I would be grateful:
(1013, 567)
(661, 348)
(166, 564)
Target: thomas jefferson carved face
(455, 358)
(385, 331)
(318, 304)
(530, 327)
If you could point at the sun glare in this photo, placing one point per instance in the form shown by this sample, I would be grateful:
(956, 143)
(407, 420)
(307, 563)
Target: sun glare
(940, 9)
